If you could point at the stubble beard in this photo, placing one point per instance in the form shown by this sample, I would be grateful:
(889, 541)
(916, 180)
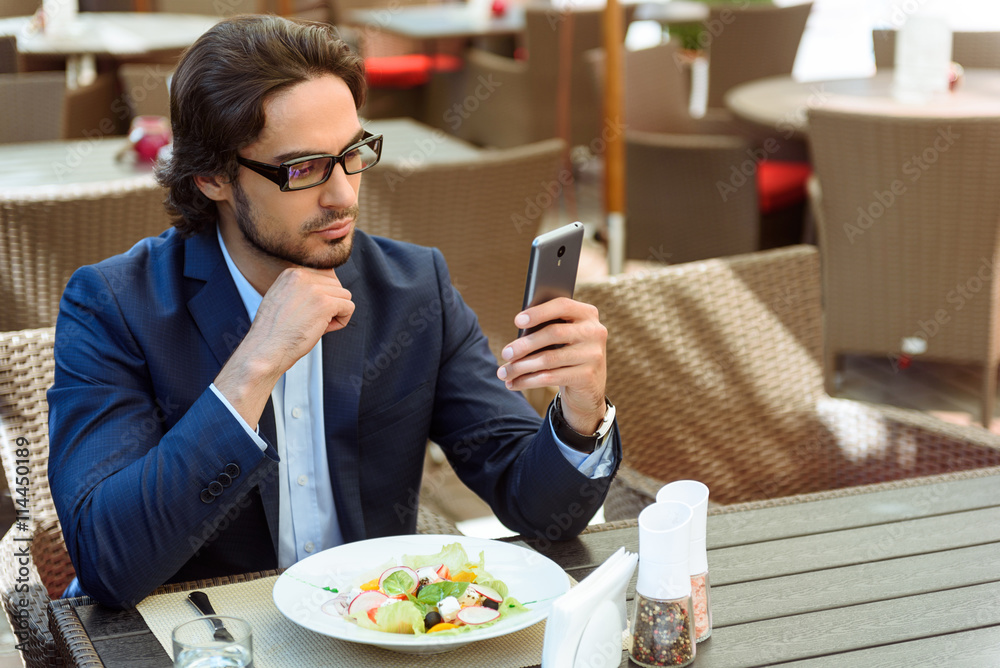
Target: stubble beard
(270, 244)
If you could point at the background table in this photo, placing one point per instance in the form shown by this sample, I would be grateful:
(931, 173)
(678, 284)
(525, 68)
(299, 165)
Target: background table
(116, 34)
(899, 574)
(438, 22)
(88, 160)
(781, 103)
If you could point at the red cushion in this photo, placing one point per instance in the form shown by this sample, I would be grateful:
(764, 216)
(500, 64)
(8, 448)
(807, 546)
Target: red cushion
(781, 184)
(409, 70)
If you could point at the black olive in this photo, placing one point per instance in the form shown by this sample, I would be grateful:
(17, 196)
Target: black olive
(432, 619)
(487, 603)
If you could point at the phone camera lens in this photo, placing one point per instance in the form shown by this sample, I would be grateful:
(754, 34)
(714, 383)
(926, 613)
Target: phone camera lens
(562, 251)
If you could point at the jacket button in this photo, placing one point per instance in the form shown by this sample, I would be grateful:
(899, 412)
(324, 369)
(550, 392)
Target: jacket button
(215, 488)
(232, 470)
(206, 496)
(224, 480)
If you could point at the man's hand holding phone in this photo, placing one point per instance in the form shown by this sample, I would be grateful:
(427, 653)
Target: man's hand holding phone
(578, 366)
(561, 341)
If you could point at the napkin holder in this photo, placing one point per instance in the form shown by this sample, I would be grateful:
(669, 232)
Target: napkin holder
(584, 628)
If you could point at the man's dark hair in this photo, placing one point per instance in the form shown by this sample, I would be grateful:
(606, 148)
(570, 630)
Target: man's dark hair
(218, 92)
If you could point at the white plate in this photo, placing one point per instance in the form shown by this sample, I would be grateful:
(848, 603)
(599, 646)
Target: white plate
(533, 579)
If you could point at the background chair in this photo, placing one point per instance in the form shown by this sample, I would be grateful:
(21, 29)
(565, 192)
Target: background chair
(26, 372)
(8, 54)
(907, 212)
(968, 49)
(19, 7)
(715, 368)
(482, 214)
(46, 233)
(145, 88)
(751, 41)
(523, 108)
(31, 106)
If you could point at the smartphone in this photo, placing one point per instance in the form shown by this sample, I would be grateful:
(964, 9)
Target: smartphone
(555, 257)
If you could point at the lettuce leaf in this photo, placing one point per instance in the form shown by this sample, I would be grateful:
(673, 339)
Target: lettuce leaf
(398, 617)
(452, 555)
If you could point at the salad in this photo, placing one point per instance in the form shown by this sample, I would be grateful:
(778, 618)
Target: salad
(444, 593)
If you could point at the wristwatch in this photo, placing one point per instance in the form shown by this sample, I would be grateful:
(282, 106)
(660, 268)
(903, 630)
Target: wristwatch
(573, 438)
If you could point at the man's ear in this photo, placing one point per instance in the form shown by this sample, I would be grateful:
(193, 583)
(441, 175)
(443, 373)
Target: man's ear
(213, 187)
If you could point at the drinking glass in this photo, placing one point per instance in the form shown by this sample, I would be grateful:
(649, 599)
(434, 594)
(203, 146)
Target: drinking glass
(200, 644)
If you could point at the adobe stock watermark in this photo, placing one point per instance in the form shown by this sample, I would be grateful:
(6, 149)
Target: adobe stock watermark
(914, 168)
(461, 111)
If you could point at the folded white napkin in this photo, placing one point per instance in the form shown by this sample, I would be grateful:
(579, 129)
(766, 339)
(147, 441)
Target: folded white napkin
(585, 625)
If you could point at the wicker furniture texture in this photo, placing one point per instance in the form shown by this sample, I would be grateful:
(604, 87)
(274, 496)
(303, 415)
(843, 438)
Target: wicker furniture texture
(751, 41)
(8, 54)
(26, 372)
(522, 104)
(715, 368)
(19, 7)
(674, 163)
(144, 87)
(481, 213)
(907, 217)
(968, 49)
(31, 106)
(46, 233)
(89, 110)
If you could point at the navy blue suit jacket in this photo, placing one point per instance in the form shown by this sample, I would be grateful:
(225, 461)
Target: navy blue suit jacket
(137, 436)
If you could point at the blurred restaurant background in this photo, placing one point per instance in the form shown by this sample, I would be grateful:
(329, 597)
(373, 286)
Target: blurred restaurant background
(791, 208)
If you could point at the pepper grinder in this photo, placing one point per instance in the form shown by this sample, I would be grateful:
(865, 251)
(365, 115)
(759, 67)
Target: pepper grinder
(695, 495)
(662, 630)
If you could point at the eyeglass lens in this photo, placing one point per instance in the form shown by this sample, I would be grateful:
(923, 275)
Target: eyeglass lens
(311, 172)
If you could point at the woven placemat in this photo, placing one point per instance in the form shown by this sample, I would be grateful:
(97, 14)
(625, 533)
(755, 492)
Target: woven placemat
(279, 642)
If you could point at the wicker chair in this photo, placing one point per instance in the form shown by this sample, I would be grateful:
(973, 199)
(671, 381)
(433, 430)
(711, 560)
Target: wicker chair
(969, 49)
(523, 107)
(715, 368)
(38, 255)
(31, 106)
(145, 88)
(482, 213)
(26, 372)
(8, 54)
(674, 162)
(751, 41)
(907, 217)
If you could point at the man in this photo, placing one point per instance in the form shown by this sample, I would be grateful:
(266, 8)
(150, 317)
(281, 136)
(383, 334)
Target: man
(211, 413)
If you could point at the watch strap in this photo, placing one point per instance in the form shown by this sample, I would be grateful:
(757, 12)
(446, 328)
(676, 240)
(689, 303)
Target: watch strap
(582, 442)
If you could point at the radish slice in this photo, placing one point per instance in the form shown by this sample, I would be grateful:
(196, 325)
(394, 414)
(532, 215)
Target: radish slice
(477, 614)
(488, 592)
(365, 601)
(337, 607)
(395, 569)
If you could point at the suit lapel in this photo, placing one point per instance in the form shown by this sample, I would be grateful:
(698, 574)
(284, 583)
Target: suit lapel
(343, 367)
(223, 321)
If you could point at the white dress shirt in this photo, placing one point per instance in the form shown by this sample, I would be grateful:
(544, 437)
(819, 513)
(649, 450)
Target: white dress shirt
(307, 516)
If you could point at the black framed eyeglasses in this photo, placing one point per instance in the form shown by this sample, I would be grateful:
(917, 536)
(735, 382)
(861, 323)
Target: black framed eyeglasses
(313, 170)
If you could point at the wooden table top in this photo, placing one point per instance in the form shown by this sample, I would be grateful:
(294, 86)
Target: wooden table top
(55, 163)
(443, 21)
(782, 103)
(905, 575)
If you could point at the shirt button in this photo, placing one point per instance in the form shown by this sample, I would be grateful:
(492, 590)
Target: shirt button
(309, 547)
(303, 480)
(296, 412)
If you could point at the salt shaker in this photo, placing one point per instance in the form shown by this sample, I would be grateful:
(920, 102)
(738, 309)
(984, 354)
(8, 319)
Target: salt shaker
(662, 631)
(695, 494)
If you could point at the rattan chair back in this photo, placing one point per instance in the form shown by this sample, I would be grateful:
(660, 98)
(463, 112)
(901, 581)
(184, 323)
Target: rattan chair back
(19, 7)
(908, 225)
(751, 41)
(968, 49)
(8, 54)
(26, 372)
(481, 213)
(46, 233)
(145, 88)
(31, 106)
(715, 368)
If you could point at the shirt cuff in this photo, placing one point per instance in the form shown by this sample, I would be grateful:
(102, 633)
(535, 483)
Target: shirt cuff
(597, 464)
(254, 434)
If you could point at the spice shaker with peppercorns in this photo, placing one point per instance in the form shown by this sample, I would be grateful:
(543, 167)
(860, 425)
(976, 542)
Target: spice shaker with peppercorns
(695, 494)
(662, 630)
